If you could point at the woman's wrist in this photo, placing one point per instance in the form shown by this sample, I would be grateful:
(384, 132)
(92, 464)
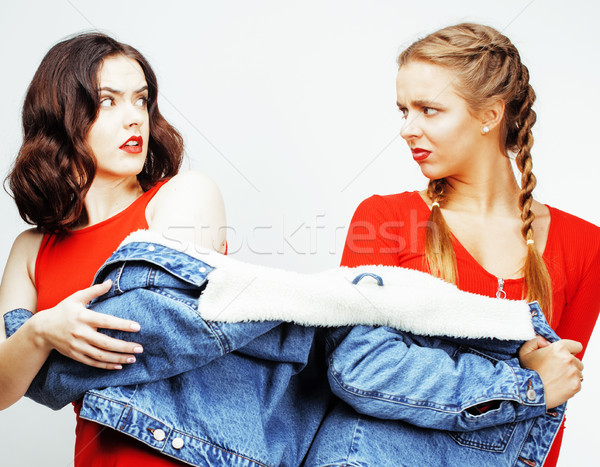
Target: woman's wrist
(36, 331)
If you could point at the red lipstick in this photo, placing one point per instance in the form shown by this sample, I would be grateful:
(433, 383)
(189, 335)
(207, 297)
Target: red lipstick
(133, 145)
(420, 154)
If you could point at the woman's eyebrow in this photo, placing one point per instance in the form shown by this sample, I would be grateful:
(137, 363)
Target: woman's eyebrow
(421, 103)
(116, 91)
(425, 103)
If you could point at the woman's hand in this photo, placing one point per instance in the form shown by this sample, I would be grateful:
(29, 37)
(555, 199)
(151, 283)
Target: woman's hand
(560, 370)
(72, 329)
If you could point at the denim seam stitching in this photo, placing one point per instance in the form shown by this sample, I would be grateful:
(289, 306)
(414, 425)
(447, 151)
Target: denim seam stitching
(193, 306)
(172, 429)
(413, 403)
(161, 291)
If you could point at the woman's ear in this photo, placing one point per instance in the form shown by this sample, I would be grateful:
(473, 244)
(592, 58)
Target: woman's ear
(491, 116)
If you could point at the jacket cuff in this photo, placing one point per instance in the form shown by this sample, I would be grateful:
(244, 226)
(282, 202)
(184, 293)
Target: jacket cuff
(14, 319)
(530, 391)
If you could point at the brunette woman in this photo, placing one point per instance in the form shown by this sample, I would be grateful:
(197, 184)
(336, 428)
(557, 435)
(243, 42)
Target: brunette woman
(98, 161)
(466, 101)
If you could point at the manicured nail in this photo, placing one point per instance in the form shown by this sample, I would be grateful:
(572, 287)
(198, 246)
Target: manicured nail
(131, 360)
(135, 326)
(118, 367)
(138, 350)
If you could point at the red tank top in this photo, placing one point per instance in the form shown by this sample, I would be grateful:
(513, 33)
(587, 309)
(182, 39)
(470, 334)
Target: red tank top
(67, 263)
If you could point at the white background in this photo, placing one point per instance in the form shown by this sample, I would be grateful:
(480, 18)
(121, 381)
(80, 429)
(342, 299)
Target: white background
(290, 107)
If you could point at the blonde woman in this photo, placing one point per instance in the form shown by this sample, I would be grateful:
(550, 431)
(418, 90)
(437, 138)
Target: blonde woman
(467, 104)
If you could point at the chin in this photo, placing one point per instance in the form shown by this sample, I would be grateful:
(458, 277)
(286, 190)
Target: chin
(134, 167)
(432, 174)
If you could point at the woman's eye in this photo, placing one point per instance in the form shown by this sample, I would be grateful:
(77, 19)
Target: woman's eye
(141, 102)
(106, 102)
(429, 111)
(404, 112)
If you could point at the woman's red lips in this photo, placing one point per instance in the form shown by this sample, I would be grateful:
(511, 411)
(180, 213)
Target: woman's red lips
(133, 145)
(420, 154)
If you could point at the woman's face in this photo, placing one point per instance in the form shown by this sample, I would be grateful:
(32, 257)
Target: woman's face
(438, 127)
(119, 136)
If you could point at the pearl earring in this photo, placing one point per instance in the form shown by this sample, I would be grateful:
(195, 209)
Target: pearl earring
(485, 130)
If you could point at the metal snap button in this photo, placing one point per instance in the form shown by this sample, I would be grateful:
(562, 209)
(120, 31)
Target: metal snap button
(531, 394)
(177, 443)
(151, 248)
(202, 269)
(159, 435)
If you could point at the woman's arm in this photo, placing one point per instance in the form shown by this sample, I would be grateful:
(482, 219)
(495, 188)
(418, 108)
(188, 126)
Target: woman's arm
(22, 356)
(581, 311)
(577, 320)
(69, 327)
(189, 208)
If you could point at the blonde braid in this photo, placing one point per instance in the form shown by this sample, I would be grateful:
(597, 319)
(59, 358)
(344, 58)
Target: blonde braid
(537, 279)
(488, 68)
(438, 240)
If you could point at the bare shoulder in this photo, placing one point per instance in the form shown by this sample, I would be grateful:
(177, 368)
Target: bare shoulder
(188, 187)
(540, 210)
(192, 179)
(17, 289)
(541, 225)
(25, 248)
(542, 216)
(190, 207)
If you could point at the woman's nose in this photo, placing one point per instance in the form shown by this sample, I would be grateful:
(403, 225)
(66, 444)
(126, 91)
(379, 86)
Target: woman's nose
(134, 116)
(411, 128)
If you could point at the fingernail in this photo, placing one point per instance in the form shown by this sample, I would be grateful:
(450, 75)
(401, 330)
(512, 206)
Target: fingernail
(138, 350)
(135, 326)
(118, 367)
(131, 360)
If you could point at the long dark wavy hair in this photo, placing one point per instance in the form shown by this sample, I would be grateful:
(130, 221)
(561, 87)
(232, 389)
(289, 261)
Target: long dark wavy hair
(54, 168)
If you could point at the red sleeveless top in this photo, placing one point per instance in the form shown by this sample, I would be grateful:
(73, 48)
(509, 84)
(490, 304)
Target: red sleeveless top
(65, 264)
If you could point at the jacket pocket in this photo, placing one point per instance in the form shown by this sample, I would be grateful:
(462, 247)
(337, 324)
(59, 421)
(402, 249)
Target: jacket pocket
(494, 439)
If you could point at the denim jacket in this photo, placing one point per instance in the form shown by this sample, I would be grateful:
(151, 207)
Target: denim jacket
(214, 393)
(205, 393)
(396, 410)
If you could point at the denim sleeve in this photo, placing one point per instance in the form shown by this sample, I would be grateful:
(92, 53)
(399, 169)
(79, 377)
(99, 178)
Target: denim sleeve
(174, 336)
(385, 373)
(14, 319)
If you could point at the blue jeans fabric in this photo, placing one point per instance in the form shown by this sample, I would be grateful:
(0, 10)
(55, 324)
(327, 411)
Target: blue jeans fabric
(211, 393)
(205, 393)
(391, 414)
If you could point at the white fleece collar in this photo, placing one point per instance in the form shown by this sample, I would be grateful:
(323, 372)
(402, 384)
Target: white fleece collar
(409, 300)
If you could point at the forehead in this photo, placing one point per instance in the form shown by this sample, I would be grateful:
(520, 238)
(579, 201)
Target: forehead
(425, 81)
(122, 73)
